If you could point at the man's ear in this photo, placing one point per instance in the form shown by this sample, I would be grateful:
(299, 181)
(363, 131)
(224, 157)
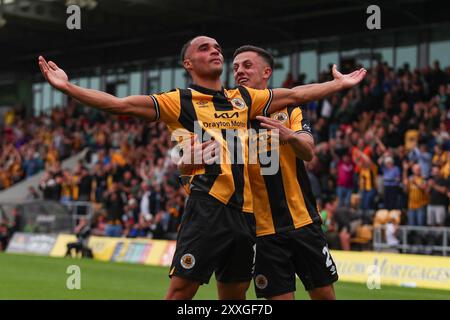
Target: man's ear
(187, 64)
(267, 73)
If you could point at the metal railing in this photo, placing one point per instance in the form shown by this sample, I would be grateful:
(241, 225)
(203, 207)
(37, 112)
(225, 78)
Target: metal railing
(43, 216)
(413, 239)
(79, 209)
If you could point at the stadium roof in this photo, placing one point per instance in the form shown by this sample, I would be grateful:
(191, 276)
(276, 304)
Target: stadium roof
(126, 30)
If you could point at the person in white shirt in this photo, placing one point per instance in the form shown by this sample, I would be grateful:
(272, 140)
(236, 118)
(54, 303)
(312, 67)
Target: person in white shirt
(145, 201)
(391, 233)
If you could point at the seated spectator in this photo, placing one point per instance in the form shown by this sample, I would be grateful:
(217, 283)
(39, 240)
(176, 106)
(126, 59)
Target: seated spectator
(391, 233)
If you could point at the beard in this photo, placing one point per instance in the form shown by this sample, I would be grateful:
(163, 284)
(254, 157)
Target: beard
(210, 71)
(214, 72)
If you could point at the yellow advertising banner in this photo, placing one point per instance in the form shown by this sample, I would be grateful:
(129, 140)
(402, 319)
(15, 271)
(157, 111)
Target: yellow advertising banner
(132, 250)
(159, 250)
(393, 269)
(60, 247)
(139, 250)
(169, 251)
(372, 268)
(103, 247)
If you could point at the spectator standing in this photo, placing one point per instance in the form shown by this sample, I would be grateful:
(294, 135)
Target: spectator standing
(345, 172)
(114, 204)
(391, 182)
(438, 187)
(417, 197)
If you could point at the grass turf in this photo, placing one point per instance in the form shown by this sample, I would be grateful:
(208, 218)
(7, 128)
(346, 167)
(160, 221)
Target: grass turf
(38, 277)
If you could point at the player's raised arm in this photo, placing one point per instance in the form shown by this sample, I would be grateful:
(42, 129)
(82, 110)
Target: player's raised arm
(138, 106)
(311, 92)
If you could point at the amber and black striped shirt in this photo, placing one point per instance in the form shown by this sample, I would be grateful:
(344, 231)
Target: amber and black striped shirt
(367, 177)
(217, 113)
(417, 197)
(283, 201)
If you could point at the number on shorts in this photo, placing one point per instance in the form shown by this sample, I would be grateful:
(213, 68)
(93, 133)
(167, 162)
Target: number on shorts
(326, 252)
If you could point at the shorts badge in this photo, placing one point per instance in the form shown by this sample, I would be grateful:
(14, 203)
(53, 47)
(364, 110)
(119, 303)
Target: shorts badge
(261, 281)
(187, 261)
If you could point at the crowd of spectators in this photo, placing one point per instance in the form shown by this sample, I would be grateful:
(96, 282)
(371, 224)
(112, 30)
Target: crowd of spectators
(127, 172)
(28, 146)
(382, 145)
(385, 144)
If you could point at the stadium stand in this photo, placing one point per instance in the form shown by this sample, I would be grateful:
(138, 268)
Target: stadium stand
(126, 158)
(129, 159)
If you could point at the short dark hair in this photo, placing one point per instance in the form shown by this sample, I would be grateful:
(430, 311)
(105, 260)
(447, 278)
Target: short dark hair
(260, 51)
(184, 49)
(329, 200)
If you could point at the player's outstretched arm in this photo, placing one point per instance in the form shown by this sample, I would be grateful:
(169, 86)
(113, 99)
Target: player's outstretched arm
(138, 106)
(311, 92)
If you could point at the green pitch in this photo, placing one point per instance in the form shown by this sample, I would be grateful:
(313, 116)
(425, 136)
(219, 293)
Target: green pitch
(36, 277)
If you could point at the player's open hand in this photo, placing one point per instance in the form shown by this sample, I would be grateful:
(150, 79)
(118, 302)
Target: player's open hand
(196, 156)
(53, 74)
(349, 80)
(285, 134)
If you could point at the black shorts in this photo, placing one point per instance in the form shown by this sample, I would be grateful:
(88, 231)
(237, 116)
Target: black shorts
(279, 257)
(214, 238)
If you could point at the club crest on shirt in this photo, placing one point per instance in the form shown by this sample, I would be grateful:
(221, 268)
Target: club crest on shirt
(187, 261)
(238, 103)
(261, 281)
(280, 116)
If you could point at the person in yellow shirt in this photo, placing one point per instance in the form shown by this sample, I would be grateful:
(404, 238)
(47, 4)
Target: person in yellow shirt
(9, 117)
(5, 180)
(445, 169)
(367, 183)
(439, 157)
(416, 187)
